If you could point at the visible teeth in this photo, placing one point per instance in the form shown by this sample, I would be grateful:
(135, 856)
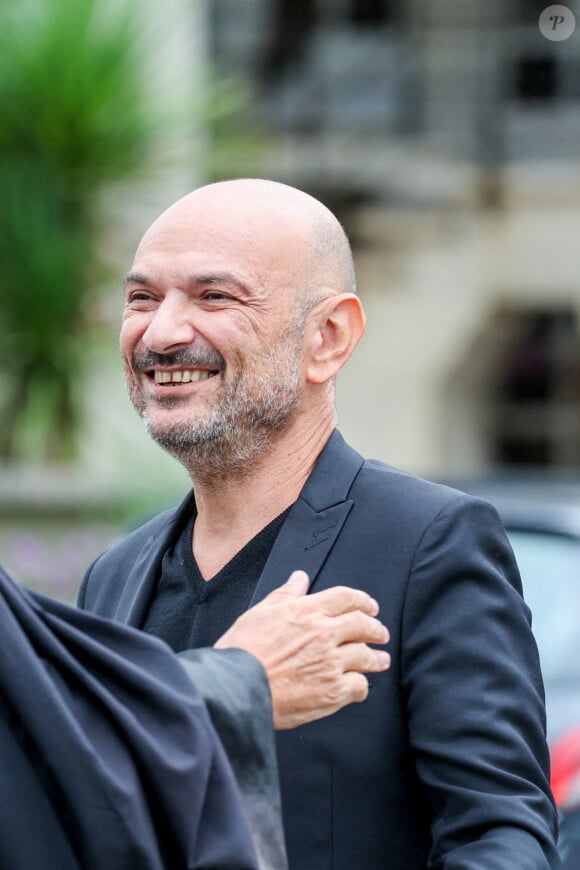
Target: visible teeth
(182, 377)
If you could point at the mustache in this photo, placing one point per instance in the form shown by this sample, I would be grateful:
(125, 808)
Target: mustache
(144, 360)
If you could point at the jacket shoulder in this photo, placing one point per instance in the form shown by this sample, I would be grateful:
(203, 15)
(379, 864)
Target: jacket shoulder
(385, 485)
(105, 577)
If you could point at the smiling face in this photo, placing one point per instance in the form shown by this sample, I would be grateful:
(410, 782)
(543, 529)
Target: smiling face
(213, 328)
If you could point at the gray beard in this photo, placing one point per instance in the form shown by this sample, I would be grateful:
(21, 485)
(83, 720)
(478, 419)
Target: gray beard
(239, 431)
(226, 444)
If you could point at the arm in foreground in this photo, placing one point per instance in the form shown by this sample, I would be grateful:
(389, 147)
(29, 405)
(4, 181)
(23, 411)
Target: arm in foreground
(471, 675)
(235, 689)
(314, 648)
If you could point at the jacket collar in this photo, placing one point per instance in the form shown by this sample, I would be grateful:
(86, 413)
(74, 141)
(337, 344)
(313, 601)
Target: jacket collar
(304, 541)
(139, 586)
(315, 520)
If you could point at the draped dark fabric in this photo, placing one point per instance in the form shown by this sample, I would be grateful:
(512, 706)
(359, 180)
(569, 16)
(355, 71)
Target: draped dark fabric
(236, 692)
(108, 756)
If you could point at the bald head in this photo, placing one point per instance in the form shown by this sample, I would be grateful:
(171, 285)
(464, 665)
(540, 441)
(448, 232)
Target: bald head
(239, 314)
(268, 216)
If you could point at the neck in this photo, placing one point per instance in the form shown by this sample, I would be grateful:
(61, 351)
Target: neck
(234, 508)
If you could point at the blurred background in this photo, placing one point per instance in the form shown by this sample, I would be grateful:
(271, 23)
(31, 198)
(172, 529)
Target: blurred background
(444, 135)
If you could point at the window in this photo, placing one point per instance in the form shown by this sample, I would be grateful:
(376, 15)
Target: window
(371, 12)
(535, 391)
(536, 78)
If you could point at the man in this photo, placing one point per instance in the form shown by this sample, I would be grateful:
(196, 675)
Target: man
(240, 311)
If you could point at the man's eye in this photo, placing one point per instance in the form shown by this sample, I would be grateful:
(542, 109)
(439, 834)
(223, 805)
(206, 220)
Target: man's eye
(138, 296)
(216, 295)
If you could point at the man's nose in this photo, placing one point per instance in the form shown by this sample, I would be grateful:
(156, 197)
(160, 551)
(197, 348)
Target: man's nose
(171, 326)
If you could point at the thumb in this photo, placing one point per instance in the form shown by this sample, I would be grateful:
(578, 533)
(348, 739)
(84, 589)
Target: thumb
(296, 585)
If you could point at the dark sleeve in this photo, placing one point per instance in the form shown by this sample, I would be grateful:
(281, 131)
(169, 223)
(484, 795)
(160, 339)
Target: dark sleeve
(471, 675)
(235, 688)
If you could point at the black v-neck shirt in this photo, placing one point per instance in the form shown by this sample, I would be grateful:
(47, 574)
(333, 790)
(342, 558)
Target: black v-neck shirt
(189, 612)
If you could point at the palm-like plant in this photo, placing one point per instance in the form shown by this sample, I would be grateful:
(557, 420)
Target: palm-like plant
(74, 117)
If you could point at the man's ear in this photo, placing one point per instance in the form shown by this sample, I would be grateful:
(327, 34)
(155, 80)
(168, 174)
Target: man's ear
(335, 332)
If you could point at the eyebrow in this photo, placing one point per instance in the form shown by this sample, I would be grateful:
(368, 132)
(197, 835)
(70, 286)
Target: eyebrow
(135, 278)
(194, 280)
(220, 278)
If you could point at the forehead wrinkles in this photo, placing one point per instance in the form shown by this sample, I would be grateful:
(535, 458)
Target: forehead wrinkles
(269, 250)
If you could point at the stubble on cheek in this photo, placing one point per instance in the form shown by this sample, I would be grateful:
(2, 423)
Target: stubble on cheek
(225, 432)
(134, 388)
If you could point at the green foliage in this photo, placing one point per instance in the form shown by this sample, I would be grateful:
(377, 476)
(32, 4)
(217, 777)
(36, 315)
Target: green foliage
(71, 89)
(75, 117)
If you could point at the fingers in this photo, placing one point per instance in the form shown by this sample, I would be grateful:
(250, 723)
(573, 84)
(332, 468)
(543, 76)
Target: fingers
(352, 688)
(344, 599)
(331, 602)
(357, 626)
(363, 659)
(352, 612)
(355, 689)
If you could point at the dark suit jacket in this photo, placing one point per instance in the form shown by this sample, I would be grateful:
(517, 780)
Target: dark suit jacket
(445, 764)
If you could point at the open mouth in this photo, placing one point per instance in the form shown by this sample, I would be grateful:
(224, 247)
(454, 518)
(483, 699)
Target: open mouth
(180, 376)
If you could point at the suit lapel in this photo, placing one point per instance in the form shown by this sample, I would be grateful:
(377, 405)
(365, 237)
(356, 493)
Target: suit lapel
(140, 585)
(315, 520)
(305, 540)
